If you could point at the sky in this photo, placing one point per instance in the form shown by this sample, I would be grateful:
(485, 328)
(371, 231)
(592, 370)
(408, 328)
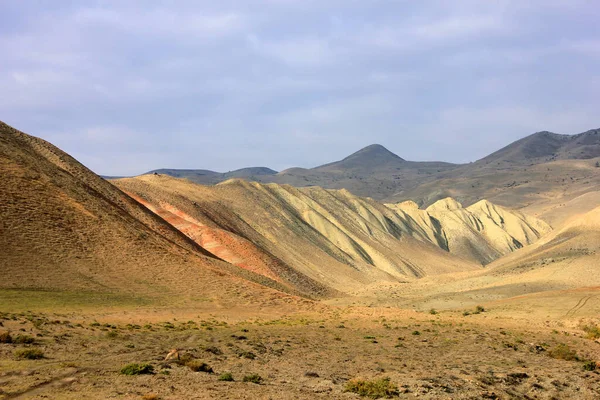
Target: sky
(130, 86)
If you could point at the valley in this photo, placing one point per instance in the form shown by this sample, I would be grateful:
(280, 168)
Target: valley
(451, 284)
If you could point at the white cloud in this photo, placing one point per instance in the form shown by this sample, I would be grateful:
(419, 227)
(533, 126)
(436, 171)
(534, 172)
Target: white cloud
(161, 21)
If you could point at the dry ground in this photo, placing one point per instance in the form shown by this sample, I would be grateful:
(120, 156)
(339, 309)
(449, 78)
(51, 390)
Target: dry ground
(304, 356)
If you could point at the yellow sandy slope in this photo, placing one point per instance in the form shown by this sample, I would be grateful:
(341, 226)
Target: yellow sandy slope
(332, 237)
(482, 232)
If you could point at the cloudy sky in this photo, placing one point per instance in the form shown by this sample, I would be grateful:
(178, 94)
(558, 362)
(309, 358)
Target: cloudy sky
(129, 86)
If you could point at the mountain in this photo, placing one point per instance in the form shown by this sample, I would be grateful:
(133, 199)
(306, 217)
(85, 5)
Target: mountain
(208, 177)
(537, 174)
(482, 232)
(66, 230)
(370, 158)
(300, 235)
(373, 171)
(542, 167)
(547, 146)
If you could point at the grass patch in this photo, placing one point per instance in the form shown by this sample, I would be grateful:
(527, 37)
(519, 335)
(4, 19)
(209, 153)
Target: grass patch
(17, 300)
(5, 337)
(254, 378)
(226, 377)
(23, 339)
(29, 354)
(137, 369)
(199, 366)
(248, 355)
(563, 352)
(592, 331)
(374, 389)
(590, 366)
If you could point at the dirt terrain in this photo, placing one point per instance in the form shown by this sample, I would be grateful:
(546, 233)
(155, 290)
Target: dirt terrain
(300, 356)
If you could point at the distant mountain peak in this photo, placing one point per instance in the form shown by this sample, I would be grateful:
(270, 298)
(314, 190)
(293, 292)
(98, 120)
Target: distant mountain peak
(374, 150)
(368, 158)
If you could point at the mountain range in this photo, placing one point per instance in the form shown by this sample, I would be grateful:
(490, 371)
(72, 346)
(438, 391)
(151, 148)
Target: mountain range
(542, 167)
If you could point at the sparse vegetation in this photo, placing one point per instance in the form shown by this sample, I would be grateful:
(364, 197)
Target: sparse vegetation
(592, 331)
(23, 339)
(590, 366)
(563, 352)
(248, 355)
(254, 378)
(5, 337)
(29, 354)
(433, 311)
(137, 369)
(226, 377)
(374, 389)
(199, 366)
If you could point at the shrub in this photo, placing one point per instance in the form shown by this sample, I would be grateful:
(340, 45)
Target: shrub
(248, 354)
(23, 339)
(199, 366)
(563, 352)
(29, 354)
(111, 334)
(592, 331)
(374, 389)
(479, 310)
(137, 369)
(226, 377)
(416, 333)
(590, 366)
(5, 337)
(254, 378)
(214, 350)
(433, 311)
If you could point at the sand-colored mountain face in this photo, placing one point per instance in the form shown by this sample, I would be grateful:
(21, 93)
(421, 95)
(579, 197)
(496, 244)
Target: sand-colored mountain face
(332, 237)
(482, 232)
(64, 228)
(556, 276)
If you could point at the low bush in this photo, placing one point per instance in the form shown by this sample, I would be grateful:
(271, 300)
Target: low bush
(563, 352)
(590, 366)
(137, 369)
(23, 339)
(199, 366)
(29, 354)
(5, 337)
(254, 378)
(248, 354)
(374, 389)
(592, 331)
(226, 377)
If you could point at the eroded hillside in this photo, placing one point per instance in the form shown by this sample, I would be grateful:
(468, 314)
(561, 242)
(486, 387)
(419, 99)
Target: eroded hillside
(63, 228)
(332, 237)
(309, 236)
(482, 232)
